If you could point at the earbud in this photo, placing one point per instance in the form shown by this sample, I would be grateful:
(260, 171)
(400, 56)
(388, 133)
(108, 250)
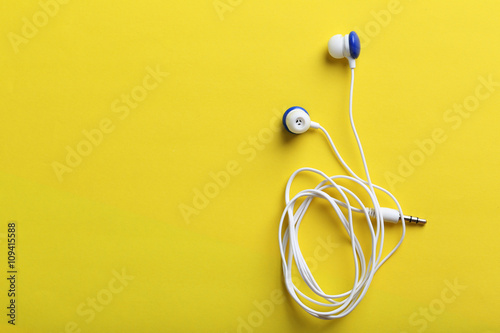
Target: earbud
(347, 46)
(297, 120)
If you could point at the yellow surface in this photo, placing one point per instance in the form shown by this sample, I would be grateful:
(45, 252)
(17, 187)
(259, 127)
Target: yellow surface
(113, 242)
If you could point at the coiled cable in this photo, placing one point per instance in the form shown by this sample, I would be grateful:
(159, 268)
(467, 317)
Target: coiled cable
(339, 305)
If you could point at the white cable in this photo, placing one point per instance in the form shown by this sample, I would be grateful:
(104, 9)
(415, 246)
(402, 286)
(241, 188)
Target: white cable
(340, 305)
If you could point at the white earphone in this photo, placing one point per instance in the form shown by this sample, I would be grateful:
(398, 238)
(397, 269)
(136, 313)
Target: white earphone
(344, 203)
(347, 46)
(296, 120)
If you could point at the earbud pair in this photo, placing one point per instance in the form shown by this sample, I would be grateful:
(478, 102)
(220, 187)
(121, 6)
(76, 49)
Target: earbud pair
(296, 119)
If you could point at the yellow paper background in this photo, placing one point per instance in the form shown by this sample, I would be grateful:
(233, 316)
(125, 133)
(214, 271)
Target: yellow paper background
(233, 67)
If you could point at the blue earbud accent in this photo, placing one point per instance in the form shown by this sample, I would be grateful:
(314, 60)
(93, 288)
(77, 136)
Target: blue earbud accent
(354, 45)
(286, 114)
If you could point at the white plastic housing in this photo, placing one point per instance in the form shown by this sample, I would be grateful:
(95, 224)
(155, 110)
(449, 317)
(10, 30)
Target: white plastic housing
(389, 214)
(336, 46)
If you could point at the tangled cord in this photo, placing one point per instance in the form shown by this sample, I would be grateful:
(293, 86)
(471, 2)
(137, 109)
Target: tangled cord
(342, 304)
